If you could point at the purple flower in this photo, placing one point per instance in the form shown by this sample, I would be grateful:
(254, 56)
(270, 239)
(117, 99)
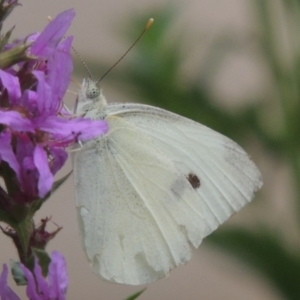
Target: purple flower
(35, 129)
(38, 287)
(6, 293)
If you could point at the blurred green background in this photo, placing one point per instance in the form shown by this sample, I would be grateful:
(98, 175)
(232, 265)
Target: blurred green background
(267, 126)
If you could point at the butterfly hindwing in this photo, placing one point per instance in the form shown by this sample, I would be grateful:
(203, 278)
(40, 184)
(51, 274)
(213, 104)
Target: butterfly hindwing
(137, 210)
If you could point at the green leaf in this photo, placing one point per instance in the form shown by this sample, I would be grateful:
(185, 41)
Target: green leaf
(14, 55)
(4, 39)
(39, 202)
(59, 182)
(44, 260)
(17, 273)
(265, 252)
(134, 296)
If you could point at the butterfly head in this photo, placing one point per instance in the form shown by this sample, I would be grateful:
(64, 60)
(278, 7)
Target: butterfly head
(90, 88)
(91, 99)
(90, 92)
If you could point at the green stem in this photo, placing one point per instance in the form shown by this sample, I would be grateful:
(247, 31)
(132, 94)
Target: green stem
(24, 230)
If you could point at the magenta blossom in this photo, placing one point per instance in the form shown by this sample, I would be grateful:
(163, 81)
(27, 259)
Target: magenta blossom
(6, 293)
(38, 287)
(34, 130)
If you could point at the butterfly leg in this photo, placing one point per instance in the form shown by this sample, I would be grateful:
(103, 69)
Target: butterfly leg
(76, 148)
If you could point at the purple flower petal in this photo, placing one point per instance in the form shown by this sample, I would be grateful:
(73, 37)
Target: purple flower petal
(7, 154)
(81, 129)
(60, 68)
(15, 121)
(31, 291)
(28, 164)
(39, 288)
(44, 95)
(6, 293)
(52, 34)
(58, 278)
(42, 284)
(45, 180)
(29, 100)
(31, 38)
(12, 85)
(59, 158)
(29, 177)
(91, 129)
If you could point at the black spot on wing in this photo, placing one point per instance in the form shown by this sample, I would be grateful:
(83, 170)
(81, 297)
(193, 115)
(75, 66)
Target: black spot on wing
(194, 180)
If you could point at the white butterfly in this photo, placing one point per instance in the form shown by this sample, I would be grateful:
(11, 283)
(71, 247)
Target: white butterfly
(154, 184)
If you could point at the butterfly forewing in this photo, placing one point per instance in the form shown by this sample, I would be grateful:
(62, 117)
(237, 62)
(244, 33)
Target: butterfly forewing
(227, 176)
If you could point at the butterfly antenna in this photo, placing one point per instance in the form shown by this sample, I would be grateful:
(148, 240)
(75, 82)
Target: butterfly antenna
(148, 25)
(82, 61)
(77, 54)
